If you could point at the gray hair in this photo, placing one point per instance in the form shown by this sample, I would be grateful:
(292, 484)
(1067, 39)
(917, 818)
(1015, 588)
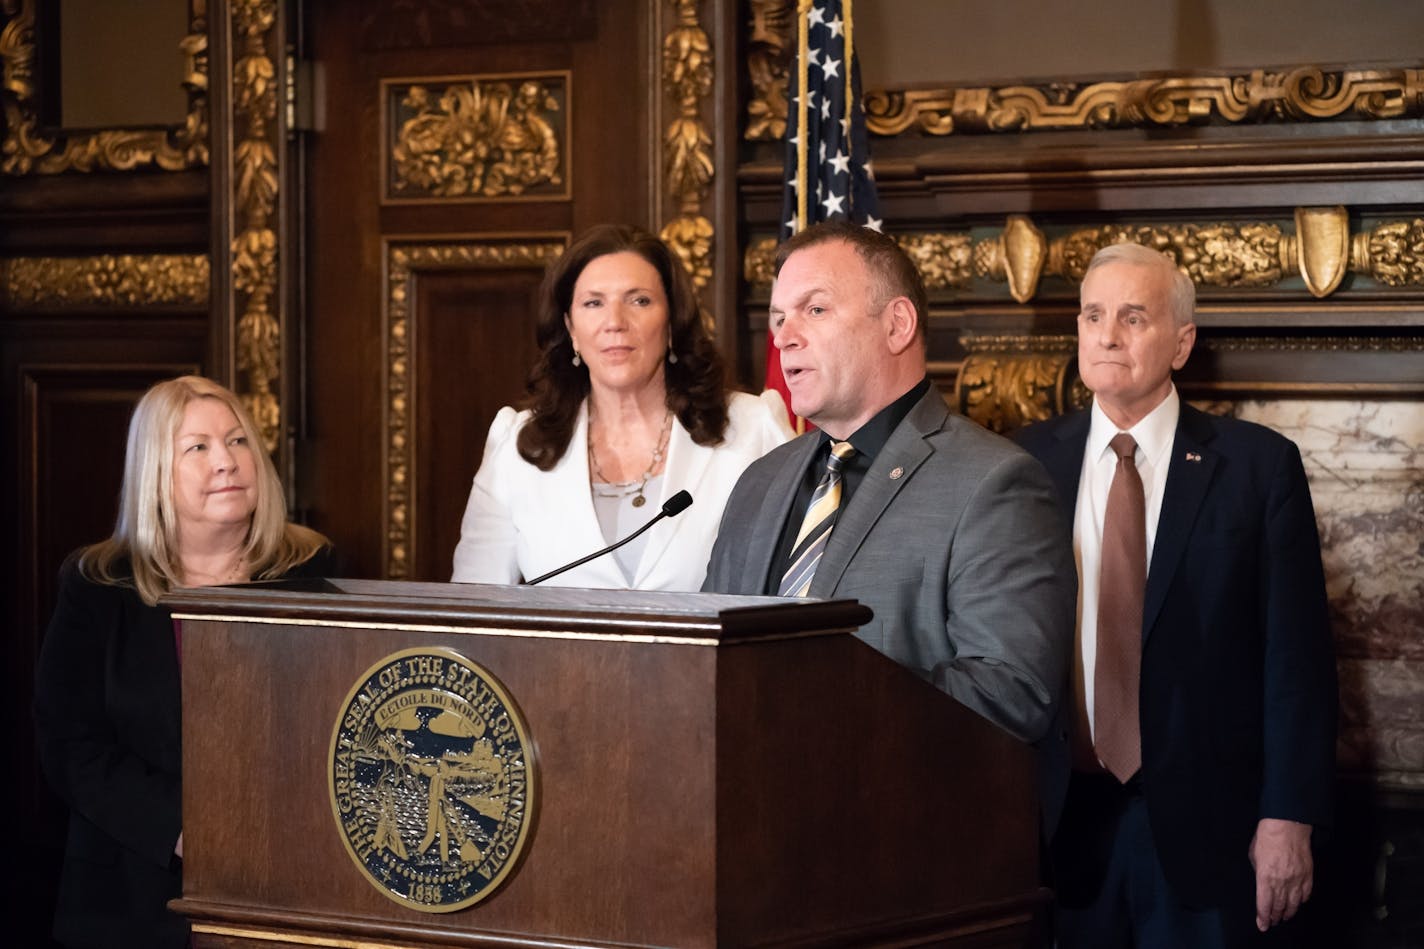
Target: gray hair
(1181, 292)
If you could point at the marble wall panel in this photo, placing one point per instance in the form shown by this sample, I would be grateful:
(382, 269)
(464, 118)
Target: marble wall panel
(1365, 462)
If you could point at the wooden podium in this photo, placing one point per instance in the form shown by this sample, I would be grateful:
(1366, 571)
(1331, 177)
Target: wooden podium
(710, 771)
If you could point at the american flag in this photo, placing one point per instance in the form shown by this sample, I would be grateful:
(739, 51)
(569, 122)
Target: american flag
(828, 172)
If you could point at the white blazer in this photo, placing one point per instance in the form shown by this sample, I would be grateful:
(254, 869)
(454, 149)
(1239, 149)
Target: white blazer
(521, 522)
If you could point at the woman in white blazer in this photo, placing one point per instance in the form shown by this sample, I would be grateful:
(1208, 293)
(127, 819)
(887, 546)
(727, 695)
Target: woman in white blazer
(627, 406)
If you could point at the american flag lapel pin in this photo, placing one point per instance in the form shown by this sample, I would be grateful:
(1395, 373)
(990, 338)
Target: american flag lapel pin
(1193, 456)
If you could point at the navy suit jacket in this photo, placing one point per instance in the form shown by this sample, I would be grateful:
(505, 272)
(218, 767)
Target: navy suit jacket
(1238, 691)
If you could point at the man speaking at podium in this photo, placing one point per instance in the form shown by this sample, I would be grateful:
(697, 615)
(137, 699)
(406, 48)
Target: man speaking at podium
(949, 533)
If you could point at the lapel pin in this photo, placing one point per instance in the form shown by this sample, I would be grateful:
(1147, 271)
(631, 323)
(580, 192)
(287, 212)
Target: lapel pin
(896, 472)
(1193, 456)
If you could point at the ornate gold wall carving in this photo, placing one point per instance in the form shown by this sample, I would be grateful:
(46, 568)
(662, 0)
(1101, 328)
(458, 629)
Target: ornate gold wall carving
(29, 149)
(1008, 381)
(687, 76)
(1303, 93)
(1219, 255)
(1297, 94)
(480, 137)
(105, 280)
(1322, 248)
(768, 40)
(1392, 253)
(255, 183)
(1321, 251)
(759, 261)
(944, 260)
(403, 262)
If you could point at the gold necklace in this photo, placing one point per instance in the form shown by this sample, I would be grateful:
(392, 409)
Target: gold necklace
(237, 573)
(624, 488)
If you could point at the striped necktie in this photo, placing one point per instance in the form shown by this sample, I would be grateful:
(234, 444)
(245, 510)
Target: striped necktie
(816, 525)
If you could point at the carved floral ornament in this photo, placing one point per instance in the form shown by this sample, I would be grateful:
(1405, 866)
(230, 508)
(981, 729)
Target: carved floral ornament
(1009, 380)
(1321, 251)
(687, 76)
(254, 246)
(29, 149)
(473, 137)
(1298, 94)
(104, 280)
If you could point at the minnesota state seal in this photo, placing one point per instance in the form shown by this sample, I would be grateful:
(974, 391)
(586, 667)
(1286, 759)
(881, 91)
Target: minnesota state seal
(432, 779)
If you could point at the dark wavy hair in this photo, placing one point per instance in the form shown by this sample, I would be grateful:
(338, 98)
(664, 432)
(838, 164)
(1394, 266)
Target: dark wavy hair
(696, 383)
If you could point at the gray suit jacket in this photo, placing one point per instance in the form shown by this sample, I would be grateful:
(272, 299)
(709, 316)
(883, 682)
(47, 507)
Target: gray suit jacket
(954, 540)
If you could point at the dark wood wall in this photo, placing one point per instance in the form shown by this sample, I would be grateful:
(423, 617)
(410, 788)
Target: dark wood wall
(271, 242)
(79, 343)
(278, 242)
(420, 305)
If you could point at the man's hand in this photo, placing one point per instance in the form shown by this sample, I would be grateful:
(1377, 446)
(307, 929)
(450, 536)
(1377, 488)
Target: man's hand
(1280, 855)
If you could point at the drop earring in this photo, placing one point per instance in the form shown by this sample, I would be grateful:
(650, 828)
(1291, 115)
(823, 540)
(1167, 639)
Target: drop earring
(672, 357)
(576, 360)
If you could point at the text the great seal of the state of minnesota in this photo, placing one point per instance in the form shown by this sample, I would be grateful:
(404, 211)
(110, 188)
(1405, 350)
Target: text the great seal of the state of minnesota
(432, 779)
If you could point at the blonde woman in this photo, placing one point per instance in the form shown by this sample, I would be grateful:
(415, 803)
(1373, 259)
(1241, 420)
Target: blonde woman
(201, 505)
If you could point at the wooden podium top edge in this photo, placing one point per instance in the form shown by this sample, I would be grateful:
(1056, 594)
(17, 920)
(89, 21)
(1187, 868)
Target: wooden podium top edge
(561, 612)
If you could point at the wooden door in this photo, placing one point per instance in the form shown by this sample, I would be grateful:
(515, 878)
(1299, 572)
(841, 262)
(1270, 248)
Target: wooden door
(458, 148)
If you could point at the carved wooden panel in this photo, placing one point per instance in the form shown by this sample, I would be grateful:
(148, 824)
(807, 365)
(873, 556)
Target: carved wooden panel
(417, 24)
(71, 400)
(459, 343)
(415, 331)
(471, 138)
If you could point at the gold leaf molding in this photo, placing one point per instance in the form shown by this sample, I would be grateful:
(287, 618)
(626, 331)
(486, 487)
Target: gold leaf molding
(1303, 93)
(1004, 390)
(403, 263)
(481, 137)
(105, 280)
(768, 44)
(28, 149)
(254, 244)
(687, 75)
(1010, 380)
(1298, 94)
(1322, 251)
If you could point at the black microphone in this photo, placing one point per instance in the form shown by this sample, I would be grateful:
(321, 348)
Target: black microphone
(672, 507)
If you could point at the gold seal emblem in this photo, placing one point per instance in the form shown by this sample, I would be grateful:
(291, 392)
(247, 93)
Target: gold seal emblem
(432, 779)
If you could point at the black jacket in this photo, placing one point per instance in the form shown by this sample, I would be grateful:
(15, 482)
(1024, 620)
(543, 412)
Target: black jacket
(108, 721)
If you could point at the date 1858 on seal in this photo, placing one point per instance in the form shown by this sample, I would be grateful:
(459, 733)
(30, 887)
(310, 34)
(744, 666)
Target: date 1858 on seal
(432, 779)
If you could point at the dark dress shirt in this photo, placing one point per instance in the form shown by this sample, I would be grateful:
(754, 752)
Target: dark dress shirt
(868, 440)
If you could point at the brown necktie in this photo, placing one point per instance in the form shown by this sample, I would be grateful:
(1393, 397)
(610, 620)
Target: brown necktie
(1117, 732)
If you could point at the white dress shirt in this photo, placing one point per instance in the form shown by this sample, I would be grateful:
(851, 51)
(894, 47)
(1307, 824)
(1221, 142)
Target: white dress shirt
(1154, 436)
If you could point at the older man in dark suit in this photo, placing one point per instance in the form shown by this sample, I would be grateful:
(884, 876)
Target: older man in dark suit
(1204, 686)
(947, 532)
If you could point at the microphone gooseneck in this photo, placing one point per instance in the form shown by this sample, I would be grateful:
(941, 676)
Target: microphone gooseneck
(672, 507)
